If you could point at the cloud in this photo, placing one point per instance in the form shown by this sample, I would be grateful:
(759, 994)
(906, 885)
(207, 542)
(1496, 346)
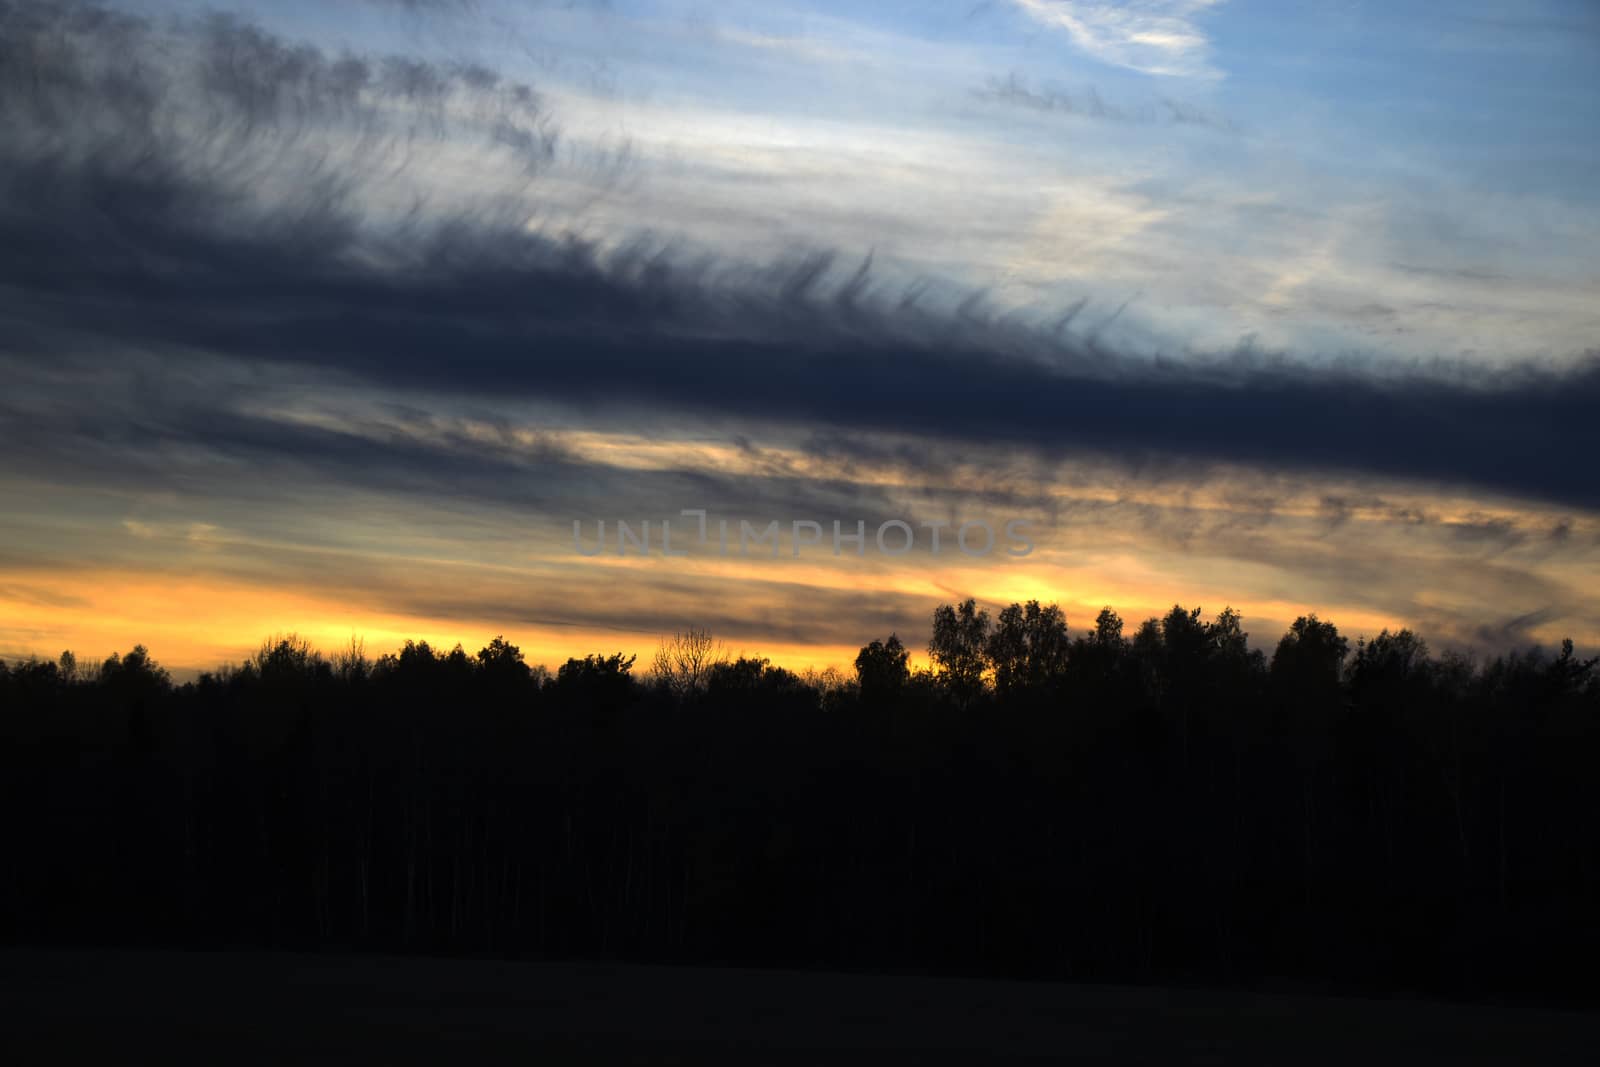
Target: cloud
(227, 107)
(480, 308)
(1015, 91)
(1149, 36)
(143, 230)
(806, 49)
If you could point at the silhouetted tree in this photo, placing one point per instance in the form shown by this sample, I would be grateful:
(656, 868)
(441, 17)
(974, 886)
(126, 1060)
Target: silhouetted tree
(958, 648)
(683, 662)
(1028, 649)
(881, 670)
(1310, 658)
(134, 674)
(1389, 662)
(502, 662)
(351, 663)
(603, 683)
(1165, 807)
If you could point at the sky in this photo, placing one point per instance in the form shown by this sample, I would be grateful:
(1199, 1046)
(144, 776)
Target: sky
(334, 317)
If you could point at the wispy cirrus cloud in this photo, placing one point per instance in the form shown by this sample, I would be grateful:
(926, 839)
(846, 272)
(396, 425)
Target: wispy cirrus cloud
(254, 222)
(1015, 91)
(1150, 36)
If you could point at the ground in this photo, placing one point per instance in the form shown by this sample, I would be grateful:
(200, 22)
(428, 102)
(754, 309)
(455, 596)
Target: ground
(245, 1008)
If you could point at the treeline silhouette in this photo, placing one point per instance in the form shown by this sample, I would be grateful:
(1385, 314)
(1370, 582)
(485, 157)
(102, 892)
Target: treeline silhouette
(1170, 806)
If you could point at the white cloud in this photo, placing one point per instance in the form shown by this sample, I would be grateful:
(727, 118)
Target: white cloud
(1151, 36)
(805, 49)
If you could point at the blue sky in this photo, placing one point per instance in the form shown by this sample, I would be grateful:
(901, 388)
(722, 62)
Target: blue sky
(1384, 181)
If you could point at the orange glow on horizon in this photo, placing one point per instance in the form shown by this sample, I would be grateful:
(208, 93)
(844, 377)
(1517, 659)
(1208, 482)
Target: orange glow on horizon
(198, 624)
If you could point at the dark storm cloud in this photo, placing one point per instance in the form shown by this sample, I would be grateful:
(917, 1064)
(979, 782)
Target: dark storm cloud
(132, 230)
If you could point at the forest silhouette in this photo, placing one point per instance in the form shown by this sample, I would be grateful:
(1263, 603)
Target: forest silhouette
(1173, 806)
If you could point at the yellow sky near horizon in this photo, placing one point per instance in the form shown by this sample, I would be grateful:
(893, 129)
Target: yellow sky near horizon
(202, 579)
(199, 623)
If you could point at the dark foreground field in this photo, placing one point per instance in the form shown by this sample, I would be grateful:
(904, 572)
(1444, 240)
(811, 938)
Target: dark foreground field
(147, 1007)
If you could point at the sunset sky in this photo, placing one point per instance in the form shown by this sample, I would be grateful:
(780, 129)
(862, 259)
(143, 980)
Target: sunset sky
(332, 316)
